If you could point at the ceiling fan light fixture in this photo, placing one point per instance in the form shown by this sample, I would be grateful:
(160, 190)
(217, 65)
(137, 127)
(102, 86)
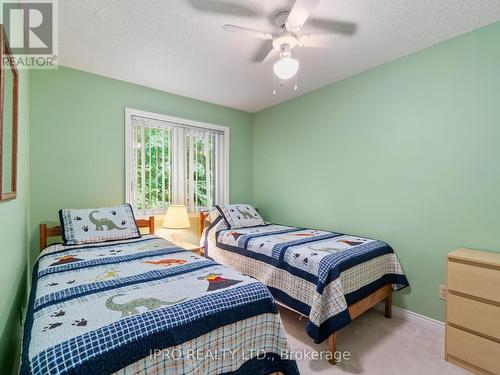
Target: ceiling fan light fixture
(286, 67)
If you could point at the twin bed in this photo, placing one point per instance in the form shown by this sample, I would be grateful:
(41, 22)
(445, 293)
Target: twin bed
(143, 305)
(128, 303)
(329, 277)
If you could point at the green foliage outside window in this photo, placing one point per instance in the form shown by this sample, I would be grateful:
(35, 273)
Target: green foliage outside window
(156, 184)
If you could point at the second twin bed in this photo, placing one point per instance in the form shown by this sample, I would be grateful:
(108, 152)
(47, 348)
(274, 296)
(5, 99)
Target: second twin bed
(329, 277)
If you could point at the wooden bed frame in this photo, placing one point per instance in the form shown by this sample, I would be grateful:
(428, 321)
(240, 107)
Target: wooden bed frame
(355, 309)
(46, 232)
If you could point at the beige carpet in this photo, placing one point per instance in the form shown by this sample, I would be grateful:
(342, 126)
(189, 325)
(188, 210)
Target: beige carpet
(377, 346)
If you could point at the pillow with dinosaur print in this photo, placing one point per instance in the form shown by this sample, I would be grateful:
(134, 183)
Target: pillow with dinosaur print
(90, 225)
(240, 215)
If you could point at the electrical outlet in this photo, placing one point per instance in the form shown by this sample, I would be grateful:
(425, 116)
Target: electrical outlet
(443, 292)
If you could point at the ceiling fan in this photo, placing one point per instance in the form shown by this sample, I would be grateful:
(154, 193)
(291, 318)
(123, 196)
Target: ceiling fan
(289, 36)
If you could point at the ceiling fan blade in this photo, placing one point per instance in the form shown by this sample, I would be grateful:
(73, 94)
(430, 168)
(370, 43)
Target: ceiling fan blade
(226, 8)
(299, 14)
(267, 53)
(251, 32)
(339, 27)
(316, 40)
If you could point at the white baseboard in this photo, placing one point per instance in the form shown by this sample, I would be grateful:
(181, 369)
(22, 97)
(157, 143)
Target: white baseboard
(412, 316)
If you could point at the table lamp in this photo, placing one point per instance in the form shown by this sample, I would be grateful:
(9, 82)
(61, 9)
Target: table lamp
(176, 218)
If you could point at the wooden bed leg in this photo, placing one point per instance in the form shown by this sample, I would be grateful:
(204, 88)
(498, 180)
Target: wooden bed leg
(388, 302)
(332, 347)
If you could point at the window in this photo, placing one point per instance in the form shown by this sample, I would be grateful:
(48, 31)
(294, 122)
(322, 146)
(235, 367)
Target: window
(171, 160)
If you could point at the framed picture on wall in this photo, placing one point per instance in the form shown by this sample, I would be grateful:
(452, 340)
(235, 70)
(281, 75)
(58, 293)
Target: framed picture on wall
(9, 99)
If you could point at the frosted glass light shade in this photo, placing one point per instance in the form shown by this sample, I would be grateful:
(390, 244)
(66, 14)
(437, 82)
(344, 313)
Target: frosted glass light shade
(176, 217)
(286, 67)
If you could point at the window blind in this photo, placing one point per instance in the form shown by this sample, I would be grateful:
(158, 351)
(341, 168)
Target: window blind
(175, 163)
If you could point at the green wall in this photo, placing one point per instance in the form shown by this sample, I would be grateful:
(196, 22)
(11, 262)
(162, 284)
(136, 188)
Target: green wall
(77, 130)
(14, 218)
(407, 152)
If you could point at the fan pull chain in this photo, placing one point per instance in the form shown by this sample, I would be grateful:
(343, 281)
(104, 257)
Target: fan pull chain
(282, 83)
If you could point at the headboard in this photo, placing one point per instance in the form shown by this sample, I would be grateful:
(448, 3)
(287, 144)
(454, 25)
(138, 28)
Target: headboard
(201, 224)
(46, 232)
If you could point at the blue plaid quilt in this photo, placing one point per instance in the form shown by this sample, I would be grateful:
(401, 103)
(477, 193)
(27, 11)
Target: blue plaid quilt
(317, 273)
(145, 305)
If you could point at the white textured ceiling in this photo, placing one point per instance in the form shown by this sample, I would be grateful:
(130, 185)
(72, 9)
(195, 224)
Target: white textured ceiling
(172, 45)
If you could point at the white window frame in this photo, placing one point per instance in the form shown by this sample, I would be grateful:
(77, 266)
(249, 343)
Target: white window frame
(177, 197)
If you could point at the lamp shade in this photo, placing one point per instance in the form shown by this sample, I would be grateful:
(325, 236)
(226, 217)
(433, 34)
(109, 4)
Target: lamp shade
(176, 217)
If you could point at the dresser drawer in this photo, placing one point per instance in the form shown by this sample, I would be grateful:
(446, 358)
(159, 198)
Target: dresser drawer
(473, 280)
(473, 349)
(477, 316)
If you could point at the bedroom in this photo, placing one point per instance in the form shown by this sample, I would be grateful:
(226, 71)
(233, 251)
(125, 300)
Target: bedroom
(387, 130)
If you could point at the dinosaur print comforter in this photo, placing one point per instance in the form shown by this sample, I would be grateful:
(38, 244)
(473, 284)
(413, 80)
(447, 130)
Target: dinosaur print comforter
(317, 273)
(147, 306)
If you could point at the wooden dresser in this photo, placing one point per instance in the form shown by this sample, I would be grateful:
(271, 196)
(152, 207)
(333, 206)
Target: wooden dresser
(473, 310)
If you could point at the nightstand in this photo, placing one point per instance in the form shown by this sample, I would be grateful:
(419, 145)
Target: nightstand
(191, 247)
(473, 310)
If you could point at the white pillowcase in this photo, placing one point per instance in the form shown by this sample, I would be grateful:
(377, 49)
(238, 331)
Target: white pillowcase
(240, 216)
(92, 225)
(213, 214)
